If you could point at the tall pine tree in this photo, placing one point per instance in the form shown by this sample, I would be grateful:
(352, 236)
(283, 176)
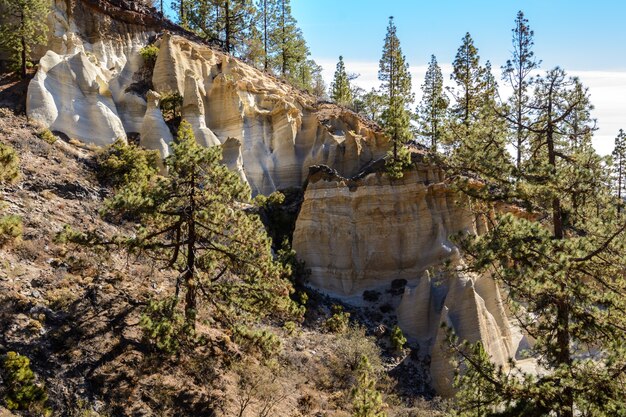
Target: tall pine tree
(267, 24)
(24, 26)
(619, 169)
(431, 112)
(469, 77)
(192, 222)
(517, 74)
(340, 91)
(562, 264)
(394, 74)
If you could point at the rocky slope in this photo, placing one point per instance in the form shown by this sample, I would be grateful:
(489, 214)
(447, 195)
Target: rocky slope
(90, 86)
(75, 314)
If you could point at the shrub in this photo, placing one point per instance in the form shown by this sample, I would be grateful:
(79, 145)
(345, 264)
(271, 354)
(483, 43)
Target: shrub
(264, 341)
(9, 165)
(397, 338)
(395, 167)
(22, 391)
(338, 322)
(171, 105)
(120, 164)
(47, 136)
(352, 345)
(163, 326)
(149, 54)
(10, 228)
(366, 400)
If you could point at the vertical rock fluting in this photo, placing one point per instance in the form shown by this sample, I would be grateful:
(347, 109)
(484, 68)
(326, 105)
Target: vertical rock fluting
(92, 87)
(363, 234)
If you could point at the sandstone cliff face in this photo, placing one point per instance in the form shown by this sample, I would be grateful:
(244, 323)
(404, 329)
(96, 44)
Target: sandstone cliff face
(362, 234)
(86, 87)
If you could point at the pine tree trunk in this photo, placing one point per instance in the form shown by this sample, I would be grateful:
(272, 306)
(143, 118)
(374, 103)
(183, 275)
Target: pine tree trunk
(181, 11)
(563, 356)
(23, 71)
(190, 276)
(284, 46)
(265, 64)
(227, 28)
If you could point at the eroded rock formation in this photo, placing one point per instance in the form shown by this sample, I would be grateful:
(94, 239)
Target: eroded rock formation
(92, 82)
(363, 234)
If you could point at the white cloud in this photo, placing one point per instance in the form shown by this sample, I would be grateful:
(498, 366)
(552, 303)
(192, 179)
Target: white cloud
(607, 90)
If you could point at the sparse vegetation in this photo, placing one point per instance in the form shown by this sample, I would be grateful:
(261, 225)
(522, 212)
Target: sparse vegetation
(339, 320)
(47, 136)
(11, 228)
(171, 105)
(9, 165)
(395, 167)
(367, 401)
(21, 389)
(121, 164)
(149, 54)
(397, 338)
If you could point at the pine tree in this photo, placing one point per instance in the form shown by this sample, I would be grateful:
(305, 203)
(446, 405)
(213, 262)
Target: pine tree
(290, 45)
(24, 26)
(619, 169)
(469, 77)
(366, 400)
(517, 74)
(431, 112)
(340, 91)
(267, 24)
(227, 22)
(562, 264)
(370, 105)
(192, 222)
(396, 88)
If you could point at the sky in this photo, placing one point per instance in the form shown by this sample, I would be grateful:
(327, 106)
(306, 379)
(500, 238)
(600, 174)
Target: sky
(586, 38)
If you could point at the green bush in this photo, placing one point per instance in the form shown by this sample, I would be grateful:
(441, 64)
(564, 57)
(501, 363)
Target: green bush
(9, 165)
(397, 338)
(22, 391)
(338, 322)
(121, 163)
(10, 228)
(395, 167)
(149, 54)
(264, 341)
(47, 136)
(163, 326)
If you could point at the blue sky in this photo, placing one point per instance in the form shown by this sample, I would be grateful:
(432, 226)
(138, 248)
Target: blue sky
(573, 34)
(586, 38)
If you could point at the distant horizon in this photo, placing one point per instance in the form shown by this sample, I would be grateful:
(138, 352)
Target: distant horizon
(573, 35)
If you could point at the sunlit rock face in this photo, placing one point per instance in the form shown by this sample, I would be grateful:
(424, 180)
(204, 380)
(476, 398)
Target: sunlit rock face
(362, 234)
(89, 86)
(357, 234)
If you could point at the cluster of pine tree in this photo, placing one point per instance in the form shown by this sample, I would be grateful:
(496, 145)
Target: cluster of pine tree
(562, 262)
(263, 33)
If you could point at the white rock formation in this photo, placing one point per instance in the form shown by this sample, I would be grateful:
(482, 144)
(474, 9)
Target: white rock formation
(155, 134)
(90, 88)
(71, 94)
(362, 234)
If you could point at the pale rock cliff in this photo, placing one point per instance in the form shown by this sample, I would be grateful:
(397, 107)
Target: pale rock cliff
(155, 135)
(362, 234)
(89, 87)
